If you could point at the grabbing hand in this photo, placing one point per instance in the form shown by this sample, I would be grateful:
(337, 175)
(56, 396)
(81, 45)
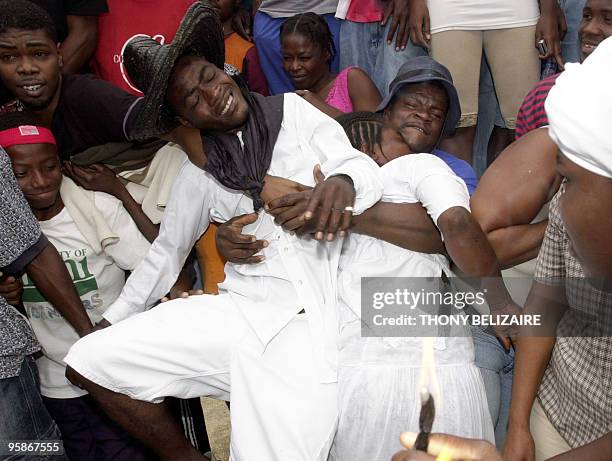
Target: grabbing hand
(236, 247)
(276, 187)
(506, 333)
(94, 177)
(398, 10)
(11, 289)
(330, 206)
(289, 210)
(448, 448)
(551, 28)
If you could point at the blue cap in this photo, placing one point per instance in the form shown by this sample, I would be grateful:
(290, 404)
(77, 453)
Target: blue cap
(424, 69)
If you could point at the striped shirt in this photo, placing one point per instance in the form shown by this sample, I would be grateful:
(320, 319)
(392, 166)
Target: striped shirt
(532, 114)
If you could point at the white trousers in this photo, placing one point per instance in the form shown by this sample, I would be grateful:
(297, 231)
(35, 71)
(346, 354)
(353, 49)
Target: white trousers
(202, 346)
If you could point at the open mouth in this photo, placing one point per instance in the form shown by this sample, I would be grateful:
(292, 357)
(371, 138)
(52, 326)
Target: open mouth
(228, 104)
(588, 47)
(418, 128)
(33, 89)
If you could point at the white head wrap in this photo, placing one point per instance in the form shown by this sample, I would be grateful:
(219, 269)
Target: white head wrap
(579, 109)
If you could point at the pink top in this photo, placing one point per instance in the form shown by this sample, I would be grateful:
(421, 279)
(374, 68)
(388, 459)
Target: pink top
(365, 11)
(339, 96)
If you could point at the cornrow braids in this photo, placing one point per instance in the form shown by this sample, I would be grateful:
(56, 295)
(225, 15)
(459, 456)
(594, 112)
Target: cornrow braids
(364, 130)
(24, 15)
(313, 27)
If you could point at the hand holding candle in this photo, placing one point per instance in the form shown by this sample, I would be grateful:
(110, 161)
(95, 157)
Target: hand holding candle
(442, 447)
(426, 420)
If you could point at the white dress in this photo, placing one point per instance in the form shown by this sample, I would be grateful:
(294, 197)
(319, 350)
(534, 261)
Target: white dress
(379, 378)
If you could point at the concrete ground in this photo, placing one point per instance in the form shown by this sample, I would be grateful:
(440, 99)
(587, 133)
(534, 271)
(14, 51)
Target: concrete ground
(216, 414)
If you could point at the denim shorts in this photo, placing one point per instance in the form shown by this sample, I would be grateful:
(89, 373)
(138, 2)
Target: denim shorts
(24, 416)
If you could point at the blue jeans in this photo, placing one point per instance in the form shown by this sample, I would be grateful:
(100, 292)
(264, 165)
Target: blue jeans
(266, 33)
(496, 367)
(23, 414)
(570, 46)
(364, 44)
(489, 116)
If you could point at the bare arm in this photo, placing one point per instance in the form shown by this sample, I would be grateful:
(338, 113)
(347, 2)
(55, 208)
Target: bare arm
(80, 44)
(49, 274)
(364, 94)
(100, 178)
(319, 103)
(531, 359)
(403, 224)
(511, 193)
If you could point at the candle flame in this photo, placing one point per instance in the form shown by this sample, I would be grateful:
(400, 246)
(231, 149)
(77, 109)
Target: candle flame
(445, 454)
(428, 381)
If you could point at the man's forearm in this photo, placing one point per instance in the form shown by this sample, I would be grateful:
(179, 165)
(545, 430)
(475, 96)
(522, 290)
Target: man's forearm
(530, 361)
(516, 244)
(533, 352)
(403, 224)
(80, 44)
(49, 274)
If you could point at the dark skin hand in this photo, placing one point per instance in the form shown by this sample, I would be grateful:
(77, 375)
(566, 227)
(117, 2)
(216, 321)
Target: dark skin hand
(11, 289)
(418, 23)
(184, 284)
(447, 447)
(101, 178)
(399, 12)
(238, 247)
(551, 28)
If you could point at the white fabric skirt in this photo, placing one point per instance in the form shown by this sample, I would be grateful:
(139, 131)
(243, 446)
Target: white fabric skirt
(379, 383)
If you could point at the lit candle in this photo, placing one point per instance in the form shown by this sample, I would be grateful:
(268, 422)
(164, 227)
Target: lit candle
(426, 420)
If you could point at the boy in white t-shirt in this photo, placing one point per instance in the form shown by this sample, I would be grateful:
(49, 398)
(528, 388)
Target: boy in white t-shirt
(98, 240)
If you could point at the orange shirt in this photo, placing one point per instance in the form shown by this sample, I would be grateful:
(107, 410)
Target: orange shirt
(211, 262)
(236, 49)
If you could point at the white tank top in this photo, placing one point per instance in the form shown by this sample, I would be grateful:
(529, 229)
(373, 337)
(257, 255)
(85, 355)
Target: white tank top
(482, 14)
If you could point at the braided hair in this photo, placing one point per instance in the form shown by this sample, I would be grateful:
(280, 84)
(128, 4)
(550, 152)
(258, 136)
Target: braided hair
(364, 130)
(314, 28)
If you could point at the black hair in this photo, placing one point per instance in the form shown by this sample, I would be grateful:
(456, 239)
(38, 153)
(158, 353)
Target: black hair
(313, 27)
(25, 15)
(364, 129)
(10, 120)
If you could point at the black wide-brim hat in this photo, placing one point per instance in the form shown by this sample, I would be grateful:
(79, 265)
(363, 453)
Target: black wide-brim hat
(149, 65)
(423, 69)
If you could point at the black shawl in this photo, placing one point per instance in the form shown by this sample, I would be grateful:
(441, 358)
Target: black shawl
(243, 166)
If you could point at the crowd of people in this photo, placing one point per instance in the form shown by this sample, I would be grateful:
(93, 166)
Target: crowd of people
(196, 197)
